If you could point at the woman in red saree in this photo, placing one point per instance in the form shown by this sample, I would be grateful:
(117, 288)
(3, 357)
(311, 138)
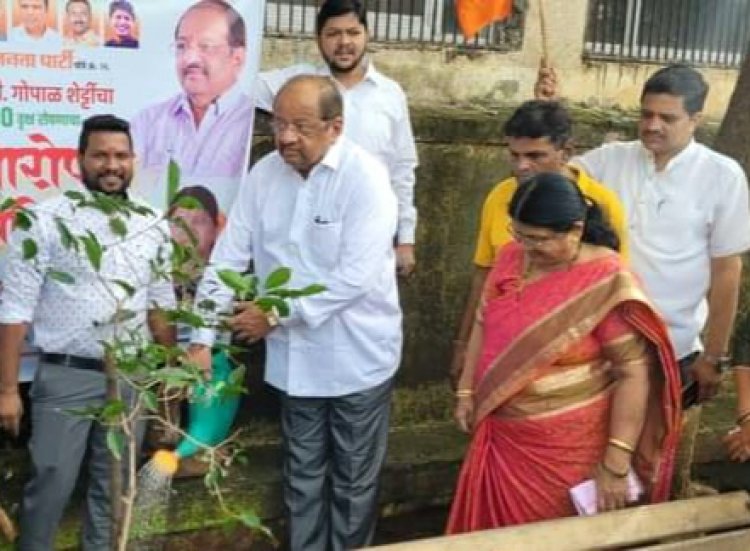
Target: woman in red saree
(569, 373)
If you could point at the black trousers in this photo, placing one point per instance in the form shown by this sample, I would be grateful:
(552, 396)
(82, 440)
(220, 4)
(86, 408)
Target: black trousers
(334, 449)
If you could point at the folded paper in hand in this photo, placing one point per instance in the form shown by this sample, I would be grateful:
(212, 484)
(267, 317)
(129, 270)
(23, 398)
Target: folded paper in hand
(583, 495)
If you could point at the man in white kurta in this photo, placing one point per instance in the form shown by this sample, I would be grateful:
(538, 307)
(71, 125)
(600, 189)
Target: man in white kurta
(375, 107)
(322, 206)
(688, 220)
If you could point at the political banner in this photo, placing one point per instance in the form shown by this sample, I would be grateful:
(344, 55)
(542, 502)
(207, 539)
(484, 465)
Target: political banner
(181, 71)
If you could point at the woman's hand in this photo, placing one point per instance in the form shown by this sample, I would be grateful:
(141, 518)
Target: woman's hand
(611, 490)
(737, 442)
(464, 413)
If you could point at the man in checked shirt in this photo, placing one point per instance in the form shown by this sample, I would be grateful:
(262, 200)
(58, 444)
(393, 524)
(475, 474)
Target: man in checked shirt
(70, 322)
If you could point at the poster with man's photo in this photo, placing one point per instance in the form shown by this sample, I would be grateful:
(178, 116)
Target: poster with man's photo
(180, 71)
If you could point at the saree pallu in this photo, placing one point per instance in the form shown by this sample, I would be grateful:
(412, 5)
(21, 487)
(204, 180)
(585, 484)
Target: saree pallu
(543, 393)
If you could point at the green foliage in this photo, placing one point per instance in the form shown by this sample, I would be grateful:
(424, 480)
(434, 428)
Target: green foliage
(277, 278)
(61, 277)
(173, 180)
(29, 249)
(94, 250)
(115, 442)
(273, 295)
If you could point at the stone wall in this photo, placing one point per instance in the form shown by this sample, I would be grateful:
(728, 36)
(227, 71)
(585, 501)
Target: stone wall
(447, 75)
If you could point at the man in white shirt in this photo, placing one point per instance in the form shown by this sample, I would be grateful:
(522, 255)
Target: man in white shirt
(33, 27)
(377, 115)
(71, 320)
(322, 206)
(688, 220)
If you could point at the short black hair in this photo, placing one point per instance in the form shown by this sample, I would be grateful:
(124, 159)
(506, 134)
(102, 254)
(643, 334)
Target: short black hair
(550, 200)
(540, 119)
(86, 2)
(336, 8)
(235, 23)
(102, 123)
(682, 81)
(122, 5)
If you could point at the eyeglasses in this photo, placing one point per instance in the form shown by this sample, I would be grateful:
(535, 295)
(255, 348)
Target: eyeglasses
(534, 240)
(301, 128)
(181, 47)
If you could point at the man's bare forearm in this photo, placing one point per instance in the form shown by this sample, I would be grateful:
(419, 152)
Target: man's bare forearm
(161, 330)
(472, 302)
(722, 303)
(11, 347)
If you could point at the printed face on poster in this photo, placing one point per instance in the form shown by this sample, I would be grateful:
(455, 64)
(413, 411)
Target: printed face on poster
(181, 71)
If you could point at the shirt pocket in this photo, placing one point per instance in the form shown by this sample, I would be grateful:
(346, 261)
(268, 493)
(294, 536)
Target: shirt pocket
(678, 229)
(325, 242)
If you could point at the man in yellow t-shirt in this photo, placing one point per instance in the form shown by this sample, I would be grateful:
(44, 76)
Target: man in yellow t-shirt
(538, 135)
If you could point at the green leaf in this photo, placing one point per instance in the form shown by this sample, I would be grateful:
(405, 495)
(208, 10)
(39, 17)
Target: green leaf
(118, 227)
(66, 237)
(115, 442)
(244, 286)
(207, 305)
(125, 286)
(237, 375)
(22, 220)
(88, 412)
(93, 249)
(8, 204)
(250, 520)
(278, 277)
(313, 289)
(268, 303)
(75, 196)
(122, 315)
(112, 410)
(150, 401)
(173, 180)
(187, 202)
(29, 249)
(186, 317)
(61, 277)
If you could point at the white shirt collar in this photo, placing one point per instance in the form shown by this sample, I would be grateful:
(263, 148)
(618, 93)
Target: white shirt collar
(219, 105)
(371, 74)
(683, 156)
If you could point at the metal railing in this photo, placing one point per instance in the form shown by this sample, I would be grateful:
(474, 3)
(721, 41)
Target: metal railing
(697, 32)
(418, 22)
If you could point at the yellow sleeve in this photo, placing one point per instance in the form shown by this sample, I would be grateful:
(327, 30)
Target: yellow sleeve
(484, 253)
(615, 213)
(493, 231)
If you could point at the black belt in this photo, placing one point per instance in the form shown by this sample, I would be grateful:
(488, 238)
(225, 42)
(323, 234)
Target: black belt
(76, 362)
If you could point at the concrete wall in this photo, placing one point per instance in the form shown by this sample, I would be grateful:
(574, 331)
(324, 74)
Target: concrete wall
(445, 76)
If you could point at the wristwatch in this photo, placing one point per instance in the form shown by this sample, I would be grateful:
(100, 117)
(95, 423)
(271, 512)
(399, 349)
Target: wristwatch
(720, 363)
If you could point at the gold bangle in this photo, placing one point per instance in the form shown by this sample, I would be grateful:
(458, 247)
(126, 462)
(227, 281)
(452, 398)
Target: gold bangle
(621, 445)
(613, 472)
(464, 393)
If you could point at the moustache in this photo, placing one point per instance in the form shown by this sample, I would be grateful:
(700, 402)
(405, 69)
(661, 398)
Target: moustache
(194, 67)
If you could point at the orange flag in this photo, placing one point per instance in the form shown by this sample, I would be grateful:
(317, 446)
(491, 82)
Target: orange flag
(473, 15)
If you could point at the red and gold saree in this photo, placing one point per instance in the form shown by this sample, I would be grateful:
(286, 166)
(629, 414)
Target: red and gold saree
(543, 386)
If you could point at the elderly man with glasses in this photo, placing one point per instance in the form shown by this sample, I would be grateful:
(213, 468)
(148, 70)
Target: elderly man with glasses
(204, 128)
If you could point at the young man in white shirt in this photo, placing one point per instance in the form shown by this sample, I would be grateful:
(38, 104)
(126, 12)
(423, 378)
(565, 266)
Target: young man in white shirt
(688, 220)
(322, 206)
(377, 115)
(71, 321)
